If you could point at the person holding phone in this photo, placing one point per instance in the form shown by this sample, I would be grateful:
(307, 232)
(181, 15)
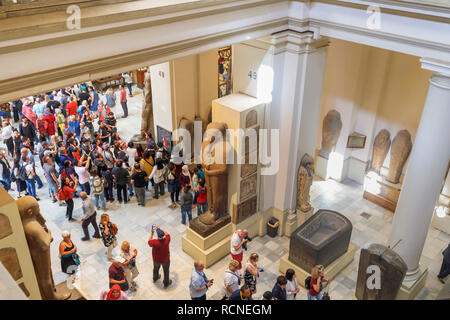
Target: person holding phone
(251, 272)
(199, 283)
(315, 286)
(131, 271)
(160, 254)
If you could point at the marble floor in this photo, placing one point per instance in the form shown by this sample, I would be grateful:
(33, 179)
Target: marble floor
(371, 224)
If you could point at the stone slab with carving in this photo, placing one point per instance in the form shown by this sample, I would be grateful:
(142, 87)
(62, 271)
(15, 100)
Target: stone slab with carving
(331, 129)
(381, 146)
(392, 271)
(245, 209)
(400, 150)
(9, 259)
(248, 168)
(320, 240)
(248, 187)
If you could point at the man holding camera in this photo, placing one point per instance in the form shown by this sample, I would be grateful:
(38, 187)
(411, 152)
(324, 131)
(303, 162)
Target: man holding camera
(238, 243)
(160, 254)
(199, 283)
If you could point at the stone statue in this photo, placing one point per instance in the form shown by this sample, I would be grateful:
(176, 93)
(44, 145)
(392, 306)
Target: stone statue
(216, 176)
(392, 271)
(189, 126)
(39, 239)
(331, 130)
(400, 149)
(381, 146)
(304, 182)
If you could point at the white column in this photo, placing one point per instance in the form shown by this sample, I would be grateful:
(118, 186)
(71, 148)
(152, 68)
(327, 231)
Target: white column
(299, 66)
(425, 174)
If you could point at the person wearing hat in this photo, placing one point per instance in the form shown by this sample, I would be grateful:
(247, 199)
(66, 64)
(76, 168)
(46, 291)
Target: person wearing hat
(117, 275)
(160, 254)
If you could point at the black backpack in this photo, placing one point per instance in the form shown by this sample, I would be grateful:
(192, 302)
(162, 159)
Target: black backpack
(308, 282)
(23, 173)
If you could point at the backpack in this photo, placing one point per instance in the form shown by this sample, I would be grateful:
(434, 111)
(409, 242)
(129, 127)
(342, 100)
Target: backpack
(61, 195)
(98, 185)
(23, 173)
(308, 283)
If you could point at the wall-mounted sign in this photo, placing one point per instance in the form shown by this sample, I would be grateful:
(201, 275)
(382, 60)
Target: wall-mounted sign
(356, 141)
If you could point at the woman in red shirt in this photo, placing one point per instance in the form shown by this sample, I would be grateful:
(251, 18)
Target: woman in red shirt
(68, 192)
(71, 108)
(50, 118)
(315, 285)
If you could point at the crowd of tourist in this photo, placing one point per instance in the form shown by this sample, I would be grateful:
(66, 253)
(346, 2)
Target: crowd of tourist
(71, 134)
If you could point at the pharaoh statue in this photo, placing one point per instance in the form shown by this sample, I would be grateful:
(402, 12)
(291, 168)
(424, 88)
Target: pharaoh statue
(189, 126)
(304, 182)
(147, 124)
(381, 146)
(39, 239)
(400, 149)
(216, 176)
(331, 130)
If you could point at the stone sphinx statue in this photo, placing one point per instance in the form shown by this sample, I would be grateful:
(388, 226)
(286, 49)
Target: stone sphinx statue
(331, 130)
(400, 149)
(381, 146)
(39, 239)
(304, 182)
(216, 176)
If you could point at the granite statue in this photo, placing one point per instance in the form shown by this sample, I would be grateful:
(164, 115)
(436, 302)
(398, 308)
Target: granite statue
(400, 150)
(322, 239)
(391, 272)
(304, 182)
(39, 239)
(331, 129)
(381, 146)
(216, 176)
(189, 126)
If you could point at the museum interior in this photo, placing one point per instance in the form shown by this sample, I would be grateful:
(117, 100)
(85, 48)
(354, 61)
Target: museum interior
(350, 103)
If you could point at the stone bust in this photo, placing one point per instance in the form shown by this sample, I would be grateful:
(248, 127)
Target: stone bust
(304, 182)
(39, 239)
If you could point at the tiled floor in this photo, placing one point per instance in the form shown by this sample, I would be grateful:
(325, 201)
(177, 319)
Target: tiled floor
(371, 224)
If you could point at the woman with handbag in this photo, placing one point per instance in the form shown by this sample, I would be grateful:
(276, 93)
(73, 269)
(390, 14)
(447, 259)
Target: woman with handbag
(69, 257)
(108, 231)
(231, 279)
(251, 272)
(292, 287)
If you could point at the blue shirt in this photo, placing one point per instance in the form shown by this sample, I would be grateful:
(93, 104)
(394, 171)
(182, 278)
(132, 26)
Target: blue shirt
(74, 127)
(198, 279)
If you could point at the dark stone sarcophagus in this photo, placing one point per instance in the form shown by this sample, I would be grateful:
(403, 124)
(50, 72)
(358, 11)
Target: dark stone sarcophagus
(320, 240)
(380, 273)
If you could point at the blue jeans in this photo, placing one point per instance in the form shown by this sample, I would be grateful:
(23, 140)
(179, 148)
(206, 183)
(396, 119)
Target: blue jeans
(31, 188)
(100, 201)
(186, 209)
(129, 88)
(310, 297)
(202, 208)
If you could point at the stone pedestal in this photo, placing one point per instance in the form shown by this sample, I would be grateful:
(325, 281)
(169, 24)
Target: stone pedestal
(296, 219)
(380, 191)
(411, 287)
(320, 167)
(331, 271)
(244, 116)
(209, 249)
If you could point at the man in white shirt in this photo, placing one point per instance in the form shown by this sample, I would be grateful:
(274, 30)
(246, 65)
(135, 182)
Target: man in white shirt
(83, 173)
(89, 217)
(128, 81)
(30, 175)
(7, 137)
(237, 240)
(231, 279)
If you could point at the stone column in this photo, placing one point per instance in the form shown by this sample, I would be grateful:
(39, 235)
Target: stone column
(424, 178)
(299, 67)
